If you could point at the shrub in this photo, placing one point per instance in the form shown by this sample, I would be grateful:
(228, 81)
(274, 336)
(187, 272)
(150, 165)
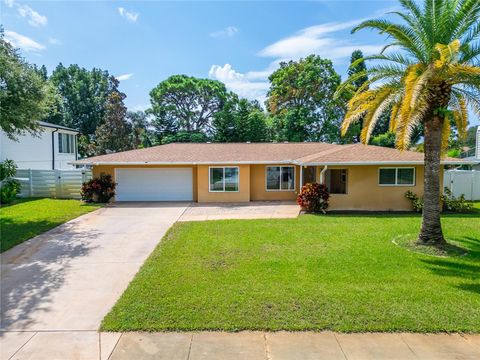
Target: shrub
(313, 198)
(417, 203)
(9, 187)
(9, 191)
(100, 189)
(451, 203)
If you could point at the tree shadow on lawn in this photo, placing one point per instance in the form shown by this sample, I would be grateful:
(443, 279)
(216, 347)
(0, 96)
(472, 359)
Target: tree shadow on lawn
(468, 268)
(14, 233)
(395, 214)
(34, 270)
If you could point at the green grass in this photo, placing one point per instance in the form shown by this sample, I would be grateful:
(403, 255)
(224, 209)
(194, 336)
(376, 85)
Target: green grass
(336, 272)
(27, 218)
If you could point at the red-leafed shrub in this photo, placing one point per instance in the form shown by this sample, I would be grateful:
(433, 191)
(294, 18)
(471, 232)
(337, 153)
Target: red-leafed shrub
(313, 197)
(99, 190)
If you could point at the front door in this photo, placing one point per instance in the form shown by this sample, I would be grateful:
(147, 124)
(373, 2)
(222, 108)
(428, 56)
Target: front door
(309, 174)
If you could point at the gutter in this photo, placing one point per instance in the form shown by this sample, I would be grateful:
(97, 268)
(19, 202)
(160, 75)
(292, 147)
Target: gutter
(288, 162)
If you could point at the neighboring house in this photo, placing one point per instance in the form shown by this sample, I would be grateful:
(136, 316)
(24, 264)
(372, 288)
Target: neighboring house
(359, 177)
(475, 159)
(54, 147)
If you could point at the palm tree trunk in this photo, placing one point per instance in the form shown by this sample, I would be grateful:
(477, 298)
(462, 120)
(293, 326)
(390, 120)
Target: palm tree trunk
(431, 231)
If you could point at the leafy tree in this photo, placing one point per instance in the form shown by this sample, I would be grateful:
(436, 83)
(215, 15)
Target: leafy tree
(386, 140)
(470, 138)
(184, 103)
(42, 71)
(225, 121)
(240, 121)
(300, 99)
(358, 66)
(84, 95)
(256, 129)
(185, 136)
(25, 97)
(431, 79)
(140, 135)
(113, 134)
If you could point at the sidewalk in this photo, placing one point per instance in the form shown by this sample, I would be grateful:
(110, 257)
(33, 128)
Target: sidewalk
(89, 345)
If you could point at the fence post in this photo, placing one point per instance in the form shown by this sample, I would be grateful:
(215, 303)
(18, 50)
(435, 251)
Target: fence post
(30, 182)
(472, 181)
(58, 184)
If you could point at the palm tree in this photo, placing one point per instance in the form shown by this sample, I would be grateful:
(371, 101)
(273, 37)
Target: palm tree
(431, 78)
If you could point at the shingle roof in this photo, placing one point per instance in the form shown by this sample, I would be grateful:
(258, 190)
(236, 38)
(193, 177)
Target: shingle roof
(225, 153)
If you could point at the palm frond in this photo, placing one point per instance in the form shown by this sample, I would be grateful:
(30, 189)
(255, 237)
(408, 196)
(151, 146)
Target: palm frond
(448, 53)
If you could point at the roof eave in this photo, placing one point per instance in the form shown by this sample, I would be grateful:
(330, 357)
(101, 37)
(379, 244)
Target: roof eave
(385, 162)
(293, 162)
(97, 163)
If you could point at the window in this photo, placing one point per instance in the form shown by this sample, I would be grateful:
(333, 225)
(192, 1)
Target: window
(336, 181)
(223, 179)
(280, 178)
(66, 143)
(396, 176)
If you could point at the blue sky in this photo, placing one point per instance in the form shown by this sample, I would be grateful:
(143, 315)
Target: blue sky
(144, 42)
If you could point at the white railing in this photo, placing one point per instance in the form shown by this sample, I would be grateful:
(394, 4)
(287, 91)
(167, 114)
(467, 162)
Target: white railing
(466, 182)
(65, 184)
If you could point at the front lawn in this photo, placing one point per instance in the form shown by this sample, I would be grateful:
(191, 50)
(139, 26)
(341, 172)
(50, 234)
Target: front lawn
(336, 272)
(27, 218)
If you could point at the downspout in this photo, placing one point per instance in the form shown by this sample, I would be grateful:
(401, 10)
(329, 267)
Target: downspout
(301, 177)
(76, 147)
(321, 174)
(53, 148)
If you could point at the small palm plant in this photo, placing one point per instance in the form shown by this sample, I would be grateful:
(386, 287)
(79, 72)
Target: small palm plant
(431, 79)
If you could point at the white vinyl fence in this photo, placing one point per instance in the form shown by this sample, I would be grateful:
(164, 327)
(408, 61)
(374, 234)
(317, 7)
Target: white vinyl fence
(65, 184)
(465, 182)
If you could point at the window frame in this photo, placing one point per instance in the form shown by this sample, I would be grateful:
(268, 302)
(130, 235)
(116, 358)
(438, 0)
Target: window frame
(396, 176)
(223, 167)
(281, 166)
(66, 143)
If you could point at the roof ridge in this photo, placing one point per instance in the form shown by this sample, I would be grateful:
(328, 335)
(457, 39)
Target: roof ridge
(338, 147)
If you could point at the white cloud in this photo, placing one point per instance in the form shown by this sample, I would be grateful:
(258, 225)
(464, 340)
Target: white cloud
(322, 40)
(54, 41)
(124, 77)
(129, 15)
(25, 11)
(318, 39)
(242, 84)
(23, 42)
(33, 17)
(228, 32)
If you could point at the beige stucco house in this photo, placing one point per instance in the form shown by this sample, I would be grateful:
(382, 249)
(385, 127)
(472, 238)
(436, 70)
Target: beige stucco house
(359, 177)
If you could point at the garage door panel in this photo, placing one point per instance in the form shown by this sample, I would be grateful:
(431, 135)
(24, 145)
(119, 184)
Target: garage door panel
(166, 184)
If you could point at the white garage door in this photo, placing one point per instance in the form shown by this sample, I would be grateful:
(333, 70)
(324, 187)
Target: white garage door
(166, 184)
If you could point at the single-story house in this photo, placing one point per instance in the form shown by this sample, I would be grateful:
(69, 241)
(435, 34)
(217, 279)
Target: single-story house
(53, 147)
(359, 177)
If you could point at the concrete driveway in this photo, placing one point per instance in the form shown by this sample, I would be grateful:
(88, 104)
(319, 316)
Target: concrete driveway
(68, 278)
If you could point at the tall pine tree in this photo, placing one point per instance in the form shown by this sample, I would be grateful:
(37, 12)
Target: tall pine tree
(113, 134)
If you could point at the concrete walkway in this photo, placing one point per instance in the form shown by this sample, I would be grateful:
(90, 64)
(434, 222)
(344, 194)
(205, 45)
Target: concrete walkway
(57, 287)
(244, 346)
(249, 210)
(294, 346)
